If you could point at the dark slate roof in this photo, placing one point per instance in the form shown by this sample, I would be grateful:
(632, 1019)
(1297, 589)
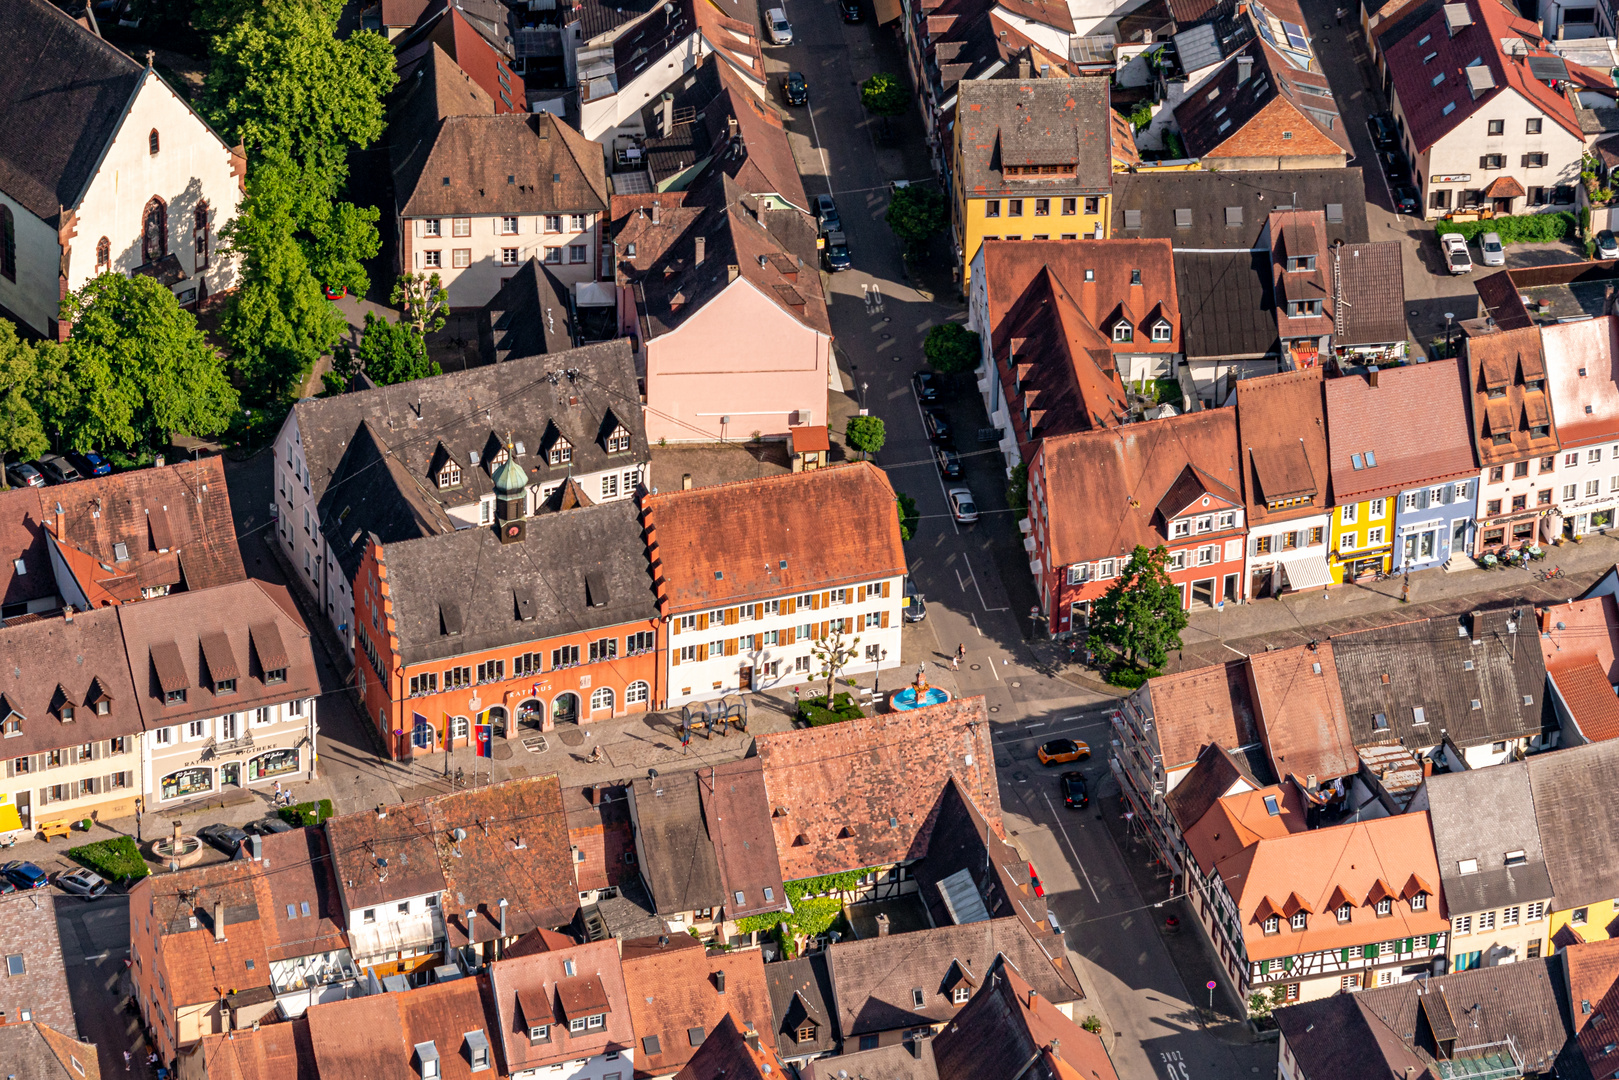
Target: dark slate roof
(1526, 1002)
(600, 16)
(672, 153)
(1007, 1032)
(530, 315)
(1258, 194)
(1340, 1038)
(23, 540)
(1225, 300)
(673, 846)
(1393, 669)
(801, 989)
(1035, 121)
(1578, 820)
(1461, 832)
(873, 979)
(63, 95)
(415, 426)
(37, 1051)
(1206, 783)
(470, 580)
(1373, 308)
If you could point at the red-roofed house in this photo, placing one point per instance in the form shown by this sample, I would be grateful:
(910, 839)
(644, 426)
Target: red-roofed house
(1580, 643)
(1066, 323)
(1582, 378)
(1482, 128)
(1095, 495)
(1591, 974)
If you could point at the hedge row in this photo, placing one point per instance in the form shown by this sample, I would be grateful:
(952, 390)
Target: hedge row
(306, 814)
(1518, 229)
(117, 860)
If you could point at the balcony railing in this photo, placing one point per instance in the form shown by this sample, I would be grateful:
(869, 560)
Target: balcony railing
(215, 747)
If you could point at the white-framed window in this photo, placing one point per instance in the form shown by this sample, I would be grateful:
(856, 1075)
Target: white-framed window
(1461, 924)
(1299, 920)
(1384, 906)
(601, 700)
(1344, 912)
(1104, 569)
(1346, 542)
(1410, 499)
(1176, 561)
(1534, 912)
(432, 227)
(196, 729)
(553, 256)
(1570, 491)
(636, 693)
(1419, 902)
(610, 486)
(1346, 514)
(579, 223)
(688, 654)
(577, 253)
(1593, 456)
(1593, 488)
(1205, 523)
(1571, 460)
(508, 226)
(1161, 331)
(1376, 508)
(1509, 916)
(1178, 529)
(1207, 555)
(1123, 331)
(960, 995)
(1374, 536)
(1227, 520)
(508, 256)
(433, 259)
(1273, 924)
(1078, 573)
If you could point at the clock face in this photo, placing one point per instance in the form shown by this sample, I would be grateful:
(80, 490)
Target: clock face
(513, 529)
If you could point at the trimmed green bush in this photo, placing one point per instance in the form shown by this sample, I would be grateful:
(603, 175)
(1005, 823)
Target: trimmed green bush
(306, 814)
(1127, 677)
(1516, 229)
(814, 712)
(117, 860)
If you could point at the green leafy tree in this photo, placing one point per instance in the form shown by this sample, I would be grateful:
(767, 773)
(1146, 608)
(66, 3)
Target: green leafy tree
(339, 240)
(214, 17)
(866, 434)
(908, 516)
(916, 214)
(1017, 488)
(423, 299)
(137, 368)
(951, 348)
(278, 322)
(22, 431)
(884, 94)
(393, 352)
(1139, 618)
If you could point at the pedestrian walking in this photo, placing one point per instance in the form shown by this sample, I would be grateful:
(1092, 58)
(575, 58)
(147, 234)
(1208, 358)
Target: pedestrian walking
(1341, 13)
(955, 663)
(127, 1056)
(278, 793)
(961, 652)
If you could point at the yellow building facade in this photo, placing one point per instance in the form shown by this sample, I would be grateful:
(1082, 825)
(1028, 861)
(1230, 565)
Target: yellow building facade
(1362, 539)
(1591, 921)
(1030, 217)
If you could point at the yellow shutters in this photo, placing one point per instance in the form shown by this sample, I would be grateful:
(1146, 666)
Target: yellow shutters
(730, 617)
(886, 586)
(885, 620)
(702, 621)
(702, 652)
(815, 601)
(860, 595)
(674, 656)
(826, 628)
(787, 636)
(826, 599)
(730, 646)
(789, 605)
(674, 625)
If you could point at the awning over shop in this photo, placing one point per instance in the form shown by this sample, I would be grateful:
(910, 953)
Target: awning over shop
(595, 294)
(9, 821)
(1306, 571)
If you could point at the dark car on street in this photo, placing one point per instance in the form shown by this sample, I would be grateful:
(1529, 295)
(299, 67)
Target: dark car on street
(949, 463)
(826, 214)
(837, 252)
(850, 10)
(24, 875)
(90, 463)
(57, 469)
(225, 838)
(1382, 129)
(266, 826)
(1074, 794)
(1395, 167)
(937, 425)
(1405, 200)
(795, 89)
(916, 609)
(926, 385)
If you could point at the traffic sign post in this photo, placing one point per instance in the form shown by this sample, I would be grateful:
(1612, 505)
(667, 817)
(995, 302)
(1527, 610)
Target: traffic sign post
(1211, 995)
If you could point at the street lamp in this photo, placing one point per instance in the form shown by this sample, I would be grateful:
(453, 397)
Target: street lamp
(877, 682)
(864, 386)
(1449, 346)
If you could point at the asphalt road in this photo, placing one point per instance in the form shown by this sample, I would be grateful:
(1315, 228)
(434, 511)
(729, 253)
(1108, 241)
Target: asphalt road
(95, 945)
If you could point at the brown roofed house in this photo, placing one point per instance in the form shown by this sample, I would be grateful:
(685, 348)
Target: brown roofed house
(680, 994)
(35, 987)
(1262, 112)
(1281, 424)
(270, 1052)
(1580, 643)
(436, 1030)
(37, 1051)
(731, 1052)
(561, 1005)
(1514, 434)
(1009, 1031)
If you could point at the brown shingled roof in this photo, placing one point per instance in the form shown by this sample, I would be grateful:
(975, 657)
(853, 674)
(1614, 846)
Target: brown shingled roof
(1505, 362)
(676, 1001)
(1300, 710)
(1281, 421)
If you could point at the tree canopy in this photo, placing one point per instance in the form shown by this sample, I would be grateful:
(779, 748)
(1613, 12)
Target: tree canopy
(136, 369)
(951, 348)
(22, 431)
(915, 214)
(393, 352)
(884, 95)
(866, 434)
(1139, 619)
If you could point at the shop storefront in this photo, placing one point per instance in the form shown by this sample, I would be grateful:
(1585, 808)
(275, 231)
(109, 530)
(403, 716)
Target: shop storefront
(198, 780)
(1512, 530)
(274, 764)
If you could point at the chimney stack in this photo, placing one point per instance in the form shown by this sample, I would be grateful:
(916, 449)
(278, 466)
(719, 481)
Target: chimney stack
(67, 614)
(1023, 67)
(470, 916)
(685, 481)
(1371, 376)
(1245, 68)
(1034, 996)
(666, 113)
(655, 216)
(752, 1039)
(701, 243)
(719, 981)
(882, 925)
(502, 917)
(219, 920)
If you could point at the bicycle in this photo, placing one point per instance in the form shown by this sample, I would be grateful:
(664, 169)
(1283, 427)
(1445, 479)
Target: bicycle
(1553, 574)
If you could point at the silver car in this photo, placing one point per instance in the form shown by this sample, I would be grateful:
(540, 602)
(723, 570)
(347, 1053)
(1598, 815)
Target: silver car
(1493, 252)
(962, 505)
(85, 883)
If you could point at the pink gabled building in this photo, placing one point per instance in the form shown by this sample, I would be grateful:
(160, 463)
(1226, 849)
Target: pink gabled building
(719, 284)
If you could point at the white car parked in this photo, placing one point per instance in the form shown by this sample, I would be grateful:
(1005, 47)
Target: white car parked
(1494, 252)
(781, 31)
(1457, 258)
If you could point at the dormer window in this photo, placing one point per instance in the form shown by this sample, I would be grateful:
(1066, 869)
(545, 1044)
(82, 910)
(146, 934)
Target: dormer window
(561, 452)
(1419, 902)
(1161, 331)
(1300, 309)
(500, 457)
(1299, 264)
(1384, 907)
(67, 714)
(1299, 920)
(275, 675)
(539, 1033)
(449, 476)
(1343, 913)
(805, 1032)
(1273, 924)
(174, 697)
(1123, 331)
(224, 686)
(1534, 384)
(103, 707)
(961, 995)
(618, 441)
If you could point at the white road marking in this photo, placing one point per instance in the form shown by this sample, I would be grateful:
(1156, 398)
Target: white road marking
(942, 491)
(974, 576)
(1064, 830)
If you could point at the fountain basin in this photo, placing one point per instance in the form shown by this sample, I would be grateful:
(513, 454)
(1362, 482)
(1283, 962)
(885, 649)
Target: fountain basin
(905, 700)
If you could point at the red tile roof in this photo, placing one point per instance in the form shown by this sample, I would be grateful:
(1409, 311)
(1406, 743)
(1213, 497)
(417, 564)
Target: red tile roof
(731, 1052)
(527, 991)
(1300, 709)
(866, 792)
(22, 537)
(1236, 821)
(1424, 104)
(1277, 110)
(1300, 234)
(1192, 709)
(1593, 982)
(1281, 422)
(1580, 642)
(270, 1052)
(1414, 423)
(1501, 365)
(1103, 488)
(677, 1002)
(832, 526)
(1582, 375)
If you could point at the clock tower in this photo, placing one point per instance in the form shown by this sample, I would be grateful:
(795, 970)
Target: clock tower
(511, 495)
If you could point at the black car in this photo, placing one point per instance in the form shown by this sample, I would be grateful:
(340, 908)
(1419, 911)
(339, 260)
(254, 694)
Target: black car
(826, 214)
(837, 252)
(225, 838)
(1382, 129)
(1075, 796)
(850, 10)
(1394, 166)
(937, 425)
(949, 463)
(795, 89)
(1405, 200)
(926, 385)
(266, 826)
(90, 463)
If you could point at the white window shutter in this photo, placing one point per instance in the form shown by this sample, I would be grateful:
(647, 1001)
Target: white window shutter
(418, 260)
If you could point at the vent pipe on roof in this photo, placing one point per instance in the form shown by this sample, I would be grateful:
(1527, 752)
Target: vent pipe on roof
(685, 481)
(1371, 376)
(701, 246)
(503, 917)
(656, 215)
(470, 915)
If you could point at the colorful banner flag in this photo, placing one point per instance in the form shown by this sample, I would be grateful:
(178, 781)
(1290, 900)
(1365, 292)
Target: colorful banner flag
(449, 732)
(481, 739)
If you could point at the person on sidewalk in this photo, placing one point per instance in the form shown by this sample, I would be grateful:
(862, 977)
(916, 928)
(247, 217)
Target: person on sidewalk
(127, 1057)
(955, 663)
(961, 652)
